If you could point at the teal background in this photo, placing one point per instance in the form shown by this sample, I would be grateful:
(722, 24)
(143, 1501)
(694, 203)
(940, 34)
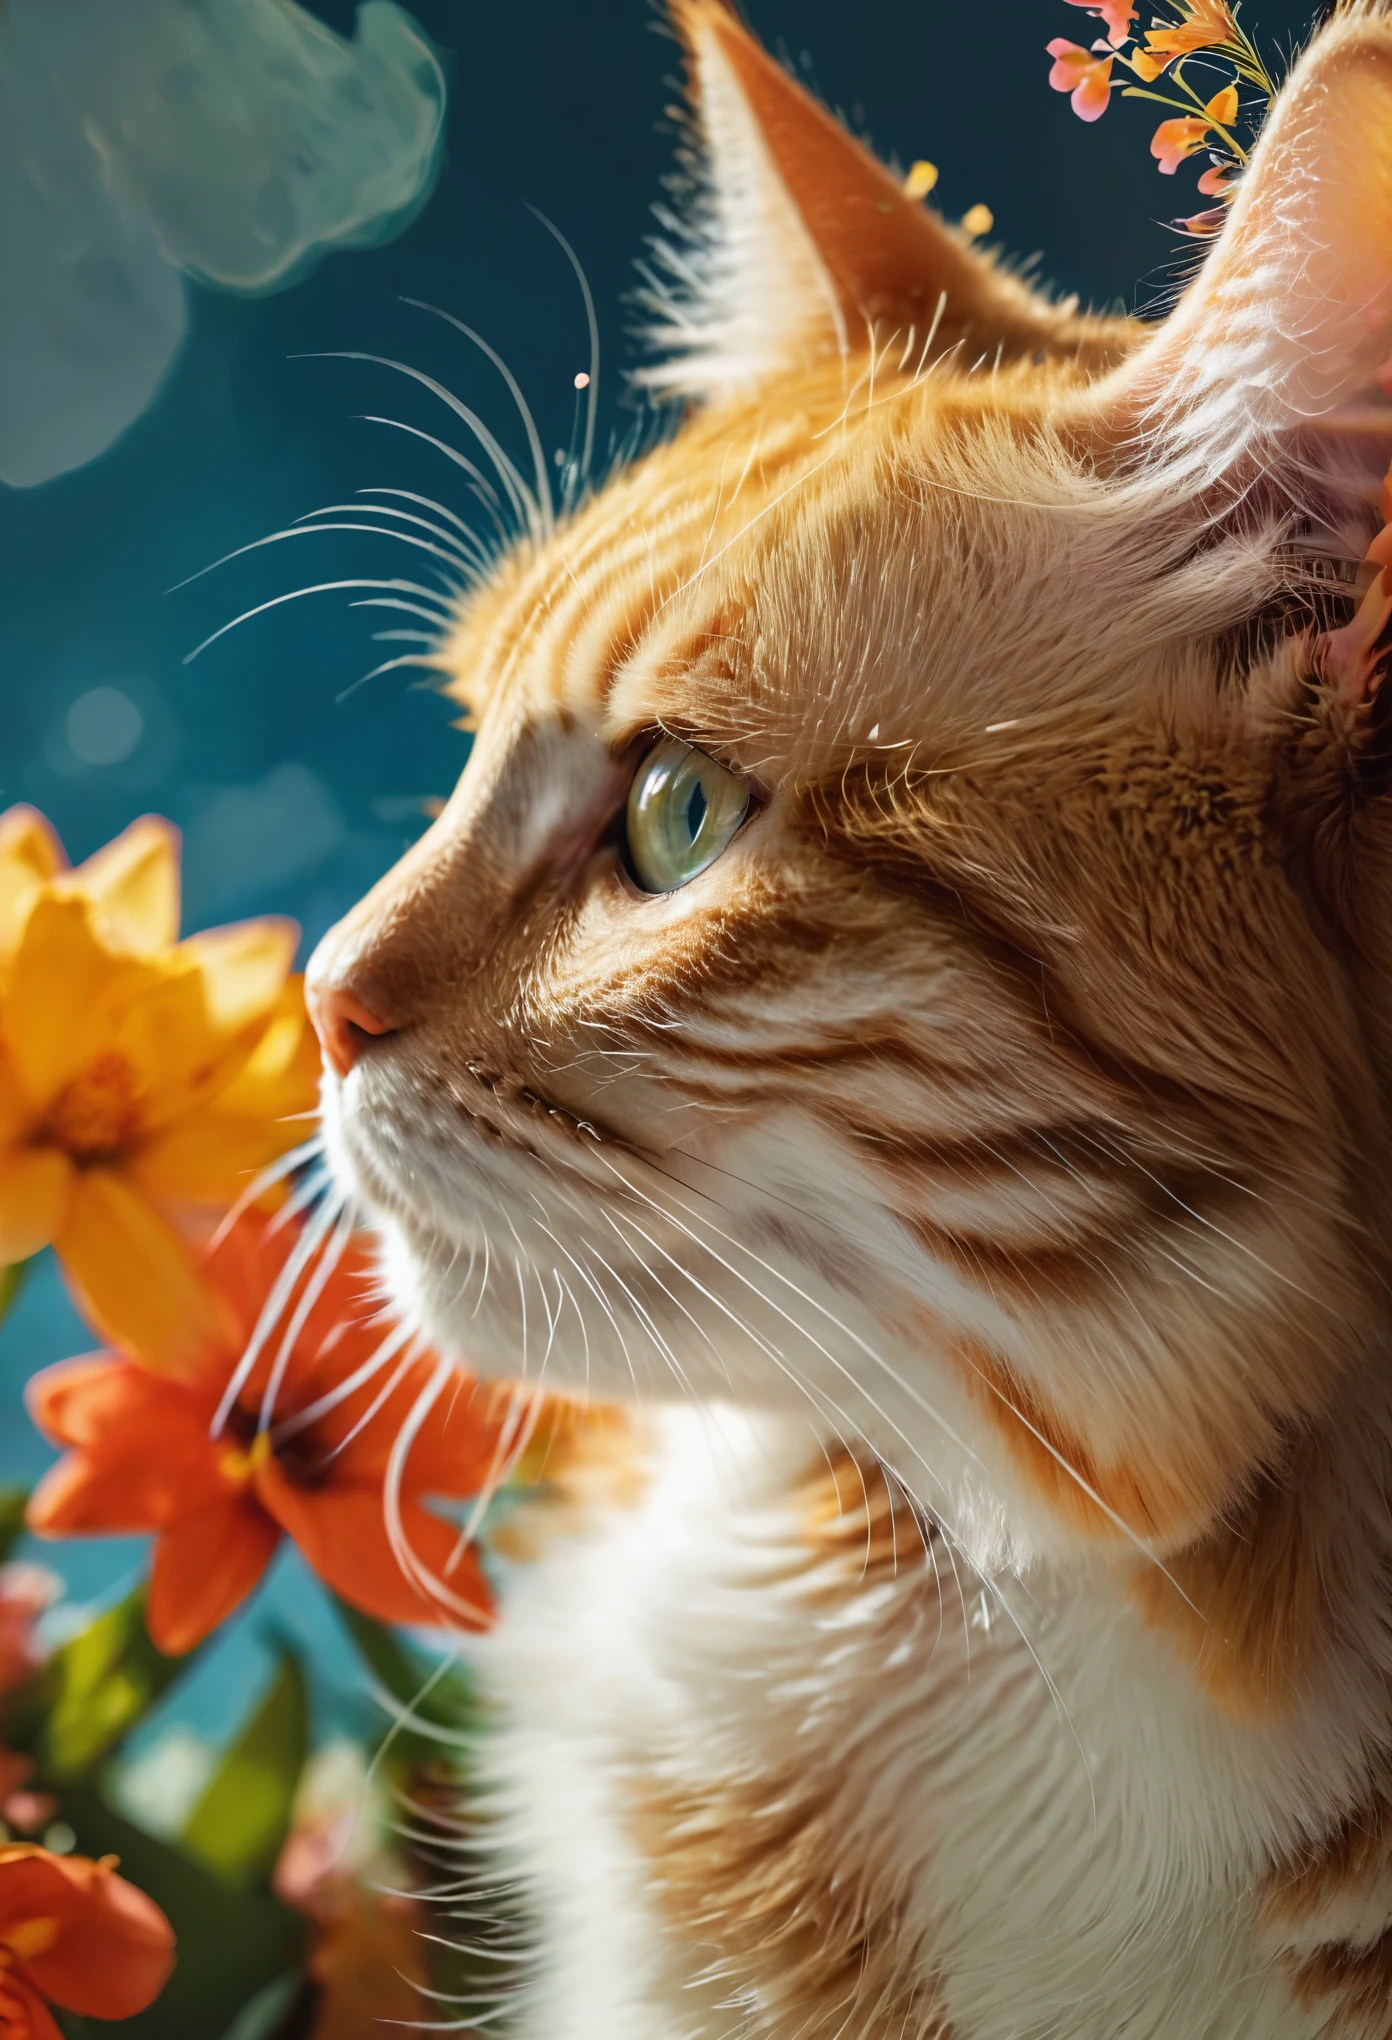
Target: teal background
(295, 799)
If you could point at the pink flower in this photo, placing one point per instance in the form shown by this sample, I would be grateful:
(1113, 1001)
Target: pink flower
(25, 1591)
(1085, 77)
(1173, 140)
(1116, 17)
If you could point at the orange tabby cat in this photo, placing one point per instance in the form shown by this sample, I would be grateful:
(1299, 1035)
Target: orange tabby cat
(903, 990)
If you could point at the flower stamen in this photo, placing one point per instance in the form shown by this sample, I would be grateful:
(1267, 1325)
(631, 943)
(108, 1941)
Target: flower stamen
(27, 1938)
(97, 1117)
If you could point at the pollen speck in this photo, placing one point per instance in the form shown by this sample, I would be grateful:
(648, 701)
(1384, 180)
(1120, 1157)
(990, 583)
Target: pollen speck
(582, 381)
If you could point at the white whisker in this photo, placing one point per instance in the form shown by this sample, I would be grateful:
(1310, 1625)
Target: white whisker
(308, 1244)
(524, 504)
(328, 588)
(299, 1317)
(543, 480)
(324, 1406)
(592, 326)
(274, 1172)
(490, 495)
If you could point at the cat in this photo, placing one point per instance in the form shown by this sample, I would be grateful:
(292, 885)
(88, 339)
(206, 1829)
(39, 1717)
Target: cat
(900, 1000)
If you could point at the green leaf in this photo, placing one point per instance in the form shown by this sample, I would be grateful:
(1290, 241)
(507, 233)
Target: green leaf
(263, 2016)
(97, 1687)
(12, 1279)
(231, 1942)
(238, 1825)
(445, 1699)
(427, 1693)
(13, 1502)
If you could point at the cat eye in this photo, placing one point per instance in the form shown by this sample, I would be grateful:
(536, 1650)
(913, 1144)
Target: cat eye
(683, 808)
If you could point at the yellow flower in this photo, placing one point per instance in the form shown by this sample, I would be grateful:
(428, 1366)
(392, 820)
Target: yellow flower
(141, 1078)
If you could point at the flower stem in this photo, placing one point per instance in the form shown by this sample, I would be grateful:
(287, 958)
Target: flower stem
(12, 1280)
(1178, 106)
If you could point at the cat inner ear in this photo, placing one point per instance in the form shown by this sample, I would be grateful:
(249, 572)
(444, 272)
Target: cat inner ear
(805, 246)
(1265, 393)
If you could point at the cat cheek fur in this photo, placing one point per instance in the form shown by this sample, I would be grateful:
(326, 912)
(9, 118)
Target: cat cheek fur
(1003, 1116)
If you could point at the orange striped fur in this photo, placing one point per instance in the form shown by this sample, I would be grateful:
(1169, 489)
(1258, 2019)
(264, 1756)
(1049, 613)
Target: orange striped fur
(1000, 1120)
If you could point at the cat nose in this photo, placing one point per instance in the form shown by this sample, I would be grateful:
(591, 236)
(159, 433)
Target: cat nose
(344, 1024)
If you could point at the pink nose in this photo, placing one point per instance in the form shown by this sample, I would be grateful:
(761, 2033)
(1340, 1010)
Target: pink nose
(344, 1025)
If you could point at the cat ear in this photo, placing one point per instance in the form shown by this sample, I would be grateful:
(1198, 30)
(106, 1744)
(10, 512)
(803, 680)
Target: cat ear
(1268, 383)
(806, 245)
(1287, 329)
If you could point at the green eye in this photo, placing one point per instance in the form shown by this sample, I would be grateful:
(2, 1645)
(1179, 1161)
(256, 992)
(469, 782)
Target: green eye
(683, 809)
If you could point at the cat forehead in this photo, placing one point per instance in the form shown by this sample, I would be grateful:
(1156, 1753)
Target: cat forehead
(860, 563)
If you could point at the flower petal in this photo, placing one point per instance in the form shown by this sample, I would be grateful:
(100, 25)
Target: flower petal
(64, 987)
(35, 1187)
(1116, 15)
(113, 1949)
(30, 855)
(1209, 24)
(166, 1038)
(205, 1566)
(456, 1450)
(23, 2012)
(29, 843)
(87, 1496)
(1173, 140)
(281, 1075)
(1086, 78)
(133, 882)
(78, 1401)
(210, 1152)
(244, 967)
(144, 1455)
(17, 1115)
(342, 1532)
(208, 1156)
(136, 1278)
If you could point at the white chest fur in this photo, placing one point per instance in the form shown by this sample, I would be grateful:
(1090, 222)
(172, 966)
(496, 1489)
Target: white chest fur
(1010, 1811)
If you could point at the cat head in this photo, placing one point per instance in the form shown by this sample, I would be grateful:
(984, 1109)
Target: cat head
(910, 941)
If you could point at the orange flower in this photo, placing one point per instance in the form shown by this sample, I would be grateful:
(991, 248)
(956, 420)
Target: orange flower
(365, 1957)
(139, 1075)
(1207, 25)
(76, 1934)
(367, 1946)
(1086, 78)
(1116, 17)
(1218, 182)
(1173, 140)
(145, 1457)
